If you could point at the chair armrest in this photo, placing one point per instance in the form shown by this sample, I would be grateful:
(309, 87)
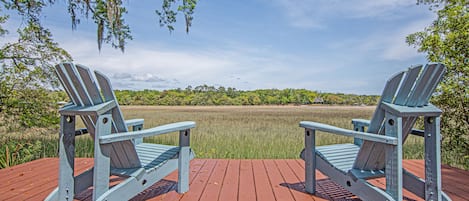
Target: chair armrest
(88, 110)
(365, 122)
(168, 128)
(361, 122)
(349, 133)
(134, 122)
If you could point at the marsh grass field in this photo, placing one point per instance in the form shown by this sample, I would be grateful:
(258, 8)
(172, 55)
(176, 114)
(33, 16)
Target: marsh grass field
(267, 132)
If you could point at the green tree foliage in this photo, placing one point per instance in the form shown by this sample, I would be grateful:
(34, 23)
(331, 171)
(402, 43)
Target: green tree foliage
(26, 67)
(210, 95)
(447, 40)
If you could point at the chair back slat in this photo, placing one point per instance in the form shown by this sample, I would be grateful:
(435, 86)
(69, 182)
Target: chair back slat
(73, 93)
(126, 158)
(108, 94)
(79, 86)
(376, 123)
(90, 84)
(387, 96)
(66, 83)
(407, 85)
(122, 154)
(415, 90)
(83, 90)
(428, 81)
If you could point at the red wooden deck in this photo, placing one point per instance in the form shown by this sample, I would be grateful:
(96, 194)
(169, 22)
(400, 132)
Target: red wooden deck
(217, 179)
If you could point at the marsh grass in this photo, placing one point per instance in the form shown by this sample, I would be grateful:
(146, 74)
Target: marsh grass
(267, 132)
(256, 131)
(31, 144)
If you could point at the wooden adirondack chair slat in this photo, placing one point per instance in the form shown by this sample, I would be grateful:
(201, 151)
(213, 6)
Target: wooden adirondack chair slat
(407, 85)
(108, 93)
(390, 90)
(80, 76)
(427, 80)
(404, 98)
(120, 156)
(80, 88)
(129, 157)
(90, 84)
(373, 155)
(73, 94)
(123, 154)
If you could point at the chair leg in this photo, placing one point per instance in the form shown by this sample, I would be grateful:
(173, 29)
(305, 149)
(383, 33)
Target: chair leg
(101, 157)
(66, 158)
(183, 162)
(310, 161)
(394, 183)
(432, 159)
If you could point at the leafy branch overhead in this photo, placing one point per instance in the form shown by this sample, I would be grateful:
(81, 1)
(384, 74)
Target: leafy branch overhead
(447, 40)
(168, 15)
(108, 15)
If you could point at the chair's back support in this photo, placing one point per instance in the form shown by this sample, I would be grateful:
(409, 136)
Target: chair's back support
(412, 88)
(83, 90)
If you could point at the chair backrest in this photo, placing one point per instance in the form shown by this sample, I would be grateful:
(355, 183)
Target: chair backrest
(84, 90)
(412, 88)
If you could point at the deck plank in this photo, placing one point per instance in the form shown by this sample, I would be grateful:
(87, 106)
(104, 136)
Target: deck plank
(246, 192)
(196, 167)
(81, 165)
(297, 166)
(213, 188)
(292, 182)
(24, 187)
(276, 179)
(218, 179)
(261, 181)
(229, 189)
(452, 179)
(200, 182)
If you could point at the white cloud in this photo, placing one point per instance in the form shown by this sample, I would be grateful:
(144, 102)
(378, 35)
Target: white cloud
(235, 65)
(314, 14)
(153, 66)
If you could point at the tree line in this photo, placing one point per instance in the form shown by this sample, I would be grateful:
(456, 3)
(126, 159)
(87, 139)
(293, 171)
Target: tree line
(211, 95)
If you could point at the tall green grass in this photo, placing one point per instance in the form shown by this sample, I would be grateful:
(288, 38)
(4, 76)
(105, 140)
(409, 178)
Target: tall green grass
(222, 132)
(256, 131)
(31, 144)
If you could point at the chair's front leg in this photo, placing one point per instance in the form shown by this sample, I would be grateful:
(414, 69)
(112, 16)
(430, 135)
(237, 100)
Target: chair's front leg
(66, 157)
(432, 159)
(102, 161)
(310, 161)
(393, 156)
(184, 160)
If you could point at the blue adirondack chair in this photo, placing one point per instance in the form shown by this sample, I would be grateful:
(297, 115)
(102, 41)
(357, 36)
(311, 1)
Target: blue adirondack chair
(378, 151)
(117, 151)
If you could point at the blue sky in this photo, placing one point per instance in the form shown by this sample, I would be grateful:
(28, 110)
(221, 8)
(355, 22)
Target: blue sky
(325, 45)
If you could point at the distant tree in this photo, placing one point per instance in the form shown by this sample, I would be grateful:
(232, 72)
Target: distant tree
(447, 40)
